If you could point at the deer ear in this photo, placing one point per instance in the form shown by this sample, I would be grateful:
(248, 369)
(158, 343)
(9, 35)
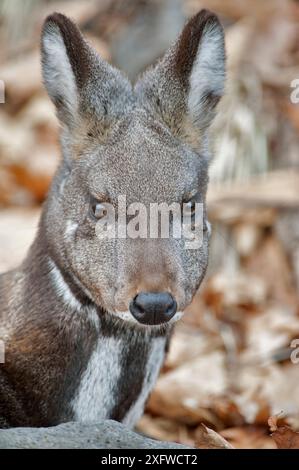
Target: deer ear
(77, 79)
(66, 63)
(187, 83)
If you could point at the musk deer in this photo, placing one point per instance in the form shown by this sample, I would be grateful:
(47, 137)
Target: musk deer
(86, 321)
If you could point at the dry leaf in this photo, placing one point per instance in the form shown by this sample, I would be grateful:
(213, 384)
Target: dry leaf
(165, 430)
(284, 436)
(187, 392)
(188, 344)
(248, 437)
(206, 438)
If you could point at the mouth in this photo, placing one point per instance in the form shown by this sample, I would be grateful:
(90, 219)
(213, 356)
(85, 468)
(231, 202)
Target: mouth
(128, 317)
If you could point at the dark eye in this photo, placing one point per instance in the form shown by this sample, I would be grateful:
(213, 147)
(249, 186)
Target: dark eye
(97, 209)
(189, 207)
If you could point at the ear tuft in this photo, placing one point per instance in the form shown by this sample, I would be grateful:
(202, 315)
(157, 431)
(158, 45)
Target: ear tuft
(188, 43)
(76, 47)
(66, 63)
(78, 80)
(207, 77)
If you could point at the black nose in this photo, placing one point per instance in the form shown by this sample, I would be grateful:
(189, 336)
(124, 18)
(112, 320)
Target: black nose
(153, 308)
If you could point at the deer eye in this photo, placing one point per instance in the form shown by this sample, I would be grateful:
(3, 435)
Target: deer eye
(97, 209)
(189, 207)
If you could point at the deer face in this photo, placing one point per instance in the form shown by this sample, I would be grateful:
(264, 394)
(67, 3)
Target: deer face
(128, 154)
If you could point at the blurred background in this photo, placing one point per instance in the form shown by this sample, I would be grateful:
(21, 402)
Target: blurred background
(229, 364)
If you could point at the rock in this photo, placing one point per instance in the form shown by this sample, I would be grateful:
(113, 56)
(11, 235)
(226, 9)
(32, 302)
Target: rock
(103, 435)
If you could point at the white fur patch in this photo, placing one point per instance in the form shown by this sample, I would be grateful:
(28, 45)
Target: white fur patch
(127, 316)
(153, 366)
(63, 289)
(71, 228)
(176, 318)
(70, 301)
(95, 397)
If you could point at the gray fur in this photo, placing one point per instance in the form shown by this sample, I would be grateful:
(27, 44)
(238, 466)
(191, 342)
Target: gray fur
(70, 354)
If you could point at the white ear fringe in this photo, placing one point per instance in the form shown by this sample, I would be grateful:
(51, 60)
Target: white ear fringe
(208, 72)
(57, 71)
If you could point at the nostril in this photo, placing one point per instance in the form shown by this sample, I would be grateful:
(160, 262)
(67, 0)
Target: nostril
(139, 302)
(169, 308)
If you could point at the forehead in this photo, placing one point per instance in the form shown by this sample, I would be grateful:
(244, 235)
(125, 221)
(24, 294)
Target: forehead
(145, 162)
